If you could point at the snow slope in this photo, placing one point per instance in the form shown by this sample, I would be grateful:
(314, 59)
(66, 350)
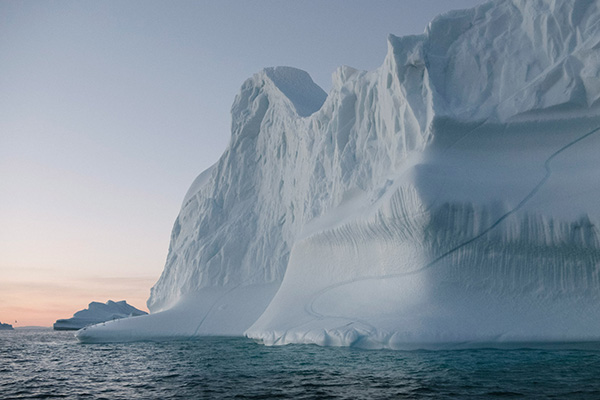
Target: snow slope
(447, 197)
(97, 313)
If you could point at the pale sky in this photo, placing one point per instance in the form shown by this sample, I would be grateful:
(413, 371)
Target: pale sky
(109, 110)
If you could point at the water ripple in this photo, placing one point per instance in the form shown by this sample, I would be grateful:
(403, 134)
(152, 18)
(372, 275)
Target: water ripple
(47, 364)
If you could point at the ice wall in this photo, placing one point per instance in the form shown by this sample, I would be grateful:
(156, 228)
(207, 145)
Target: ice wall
(447, 196)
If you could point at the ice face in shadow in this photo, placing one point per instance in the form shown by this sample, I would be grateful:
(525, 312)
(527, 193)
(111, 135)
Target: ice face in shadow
(448, 196)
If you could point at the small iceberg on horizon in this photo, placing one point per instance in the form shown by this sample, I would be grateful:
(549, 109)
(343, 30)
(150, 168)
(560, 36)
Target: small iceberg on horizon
(6, 327)
(97, 313)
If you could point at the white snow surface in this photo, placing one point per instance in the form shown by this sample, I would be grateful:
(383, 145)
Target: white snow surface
(449, 196)
(97, 313)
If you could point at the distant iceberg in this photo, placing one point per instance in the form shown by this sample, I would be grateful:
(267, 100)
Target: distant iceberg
(449, 196)
(97, 313)
(6, 327)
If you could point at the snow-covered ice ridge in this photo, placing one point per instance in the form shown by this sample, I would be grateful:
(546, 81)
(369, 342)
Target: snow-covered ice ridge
(450, 196)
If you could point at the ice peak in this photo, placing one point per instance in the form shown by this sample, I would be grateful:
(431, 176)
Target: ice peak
(298, 87)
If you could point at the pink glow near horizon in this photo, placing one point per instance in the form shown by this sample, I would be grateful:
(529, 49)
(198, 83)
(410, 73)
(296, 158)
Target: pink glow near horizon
(41, 302)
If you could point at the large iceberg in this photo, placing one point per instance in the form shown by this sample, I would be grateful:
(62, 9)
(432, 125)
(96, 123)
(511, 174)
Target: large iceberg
(97, 313)
(449, 196)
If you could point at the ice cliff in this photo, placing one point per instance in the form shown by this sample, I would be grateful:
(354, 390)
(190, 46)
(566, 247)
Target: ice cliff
(97, 313)
(449, 196)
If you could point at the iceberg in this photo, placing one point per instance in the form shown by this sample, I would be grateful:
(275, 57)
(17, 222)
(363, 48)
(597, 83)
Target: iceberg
(97, 313)
(6, 327)
(449, 196)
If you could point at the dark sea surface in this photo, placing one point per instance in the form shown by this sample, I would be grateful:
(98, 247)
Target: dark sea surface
(38, 364)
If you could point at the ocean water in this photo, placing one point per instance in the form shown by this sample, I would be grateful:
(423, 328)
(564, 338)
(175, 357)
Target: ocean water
(46, 364)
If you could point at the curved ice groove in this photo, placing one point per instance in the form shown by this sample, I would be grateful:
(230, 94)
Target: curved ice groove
(310, 308)
(446, 150)
(212, 306)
